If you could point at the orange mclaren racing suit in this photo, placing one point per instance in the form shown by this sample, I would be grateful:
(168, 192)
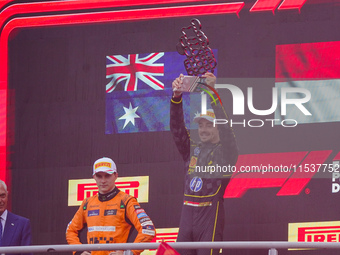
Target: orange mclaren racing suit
(109, 219)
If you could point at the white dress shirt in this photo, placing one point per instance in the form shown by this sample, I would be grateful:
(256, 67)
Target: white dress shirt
(3, 219)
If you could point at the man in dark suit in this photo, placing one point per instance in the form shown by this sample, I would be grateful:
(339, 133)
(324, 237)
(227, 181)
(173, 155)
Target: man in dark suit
(14, 229)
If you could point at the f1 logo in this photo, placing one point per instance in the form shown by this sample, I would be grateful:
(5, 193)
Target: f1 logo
(290, 182)
(265, 5)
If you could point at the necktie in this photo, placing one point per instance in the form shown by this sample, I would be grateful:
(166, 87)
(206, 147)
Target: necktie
(0, 231)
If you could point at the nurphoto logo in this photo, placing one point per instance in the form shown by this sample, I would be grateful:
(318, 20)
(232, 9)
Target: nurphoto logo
(277, 93)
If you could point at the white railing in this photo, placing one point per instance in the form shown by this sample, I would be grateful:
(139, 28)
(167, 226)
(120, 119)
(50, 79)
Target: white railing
(271, 246)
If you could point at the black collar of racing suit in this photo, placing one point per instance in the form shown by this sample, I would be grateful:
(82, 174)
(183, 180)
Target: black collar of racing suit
(108, 196)
(208, 144)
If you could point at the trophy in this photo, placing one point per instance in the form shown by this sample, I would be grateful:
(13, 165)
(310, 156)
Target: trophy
(194, 44)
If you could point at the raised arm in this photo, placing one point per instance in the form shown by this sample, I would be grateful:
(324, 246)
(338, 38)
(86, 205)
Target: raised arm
(177, 124)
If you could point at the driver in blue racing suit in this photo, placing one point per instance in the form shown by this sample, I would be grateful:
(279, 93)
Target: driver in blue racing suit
(202, 216)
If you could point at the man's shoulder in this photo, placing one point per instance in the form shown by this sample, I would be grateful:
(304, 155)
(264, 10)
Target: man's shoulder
(124, 196)
(90, 199)
(13, 216)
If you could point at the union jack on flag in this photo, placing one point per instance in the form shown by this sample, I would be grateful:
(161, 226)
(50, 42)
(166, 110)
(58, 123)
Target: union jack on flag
(129, 70)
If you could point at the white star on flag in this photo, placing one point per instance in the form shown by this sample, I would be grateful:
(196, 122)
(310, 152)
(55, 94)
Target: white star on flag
(130, 115)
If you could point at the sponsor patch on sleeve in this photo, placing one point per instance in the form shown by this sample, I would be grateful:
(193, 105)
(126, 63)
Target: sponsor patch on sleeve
(140, 211)
(148, 232)
(144, 219)
(141, 215)
(150, 227)
(149, 222)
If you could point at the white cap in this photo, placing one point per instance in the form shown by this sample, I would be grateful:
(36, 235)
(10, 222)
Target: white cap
(105, 165)
(210, 116)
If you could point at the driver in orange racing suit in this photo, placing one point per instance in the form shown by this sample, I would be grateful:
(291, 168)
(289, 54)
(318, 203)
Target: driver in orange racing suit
(110, 214)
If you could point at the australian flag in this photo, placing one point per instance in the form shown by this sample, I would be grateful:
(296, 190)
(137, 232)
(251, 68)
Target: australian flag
(139, 90)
